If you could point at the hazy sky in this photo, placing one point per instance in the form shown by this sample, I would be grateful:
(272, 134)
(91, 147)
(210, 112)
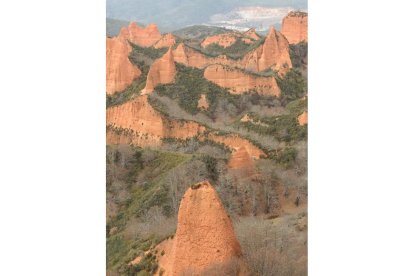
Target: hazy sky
(172, 14)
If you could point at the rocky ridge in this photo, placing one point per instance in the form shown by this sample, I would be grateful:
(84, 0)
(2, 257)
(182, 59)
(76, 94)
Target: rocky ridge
(239, 82)
(120, 72)
(295, 27)
(166, 41)
(144, 37)
(162, 71)
(273, 53)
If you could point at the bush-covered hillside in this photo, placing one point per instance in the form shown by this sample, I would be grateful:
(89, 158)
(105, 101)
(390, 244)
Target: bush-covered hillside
(268, 208)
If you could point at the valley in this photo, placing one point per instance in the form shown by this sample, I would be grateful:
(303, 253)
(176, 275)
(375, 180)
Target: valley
(207, 150)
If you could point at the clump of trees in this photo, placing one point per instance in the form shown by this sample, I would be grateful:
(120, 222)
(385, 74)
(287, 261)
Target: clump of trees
(293, 86)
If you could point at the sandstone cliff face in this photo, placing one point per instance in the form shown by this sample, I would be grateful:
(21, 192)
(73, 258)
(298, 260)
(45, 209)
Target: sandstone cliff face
(144, 124)
(166, 41)
(120, 72)
(238, 82)
(204, 238)
(190, 57)
(136, 122)
(274, 53)
(162, 71)
(295, 27)
(303, 118)
(144, 37)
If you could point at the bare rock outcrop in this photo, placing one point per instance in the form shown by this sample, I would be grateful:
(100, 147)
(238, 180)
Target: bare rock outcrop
(205, 237)
(120, 72)
(252, 34)
(235, 142)
(303, 118)
(203, 102)
(144, 37)
(227, 39)
(193, 58)
(224, 40)
(243, 154)
(137, 122)
(242, 161)
(239, 82)
(166, 41)
(162, 71)
(295, 27)
(273, 53)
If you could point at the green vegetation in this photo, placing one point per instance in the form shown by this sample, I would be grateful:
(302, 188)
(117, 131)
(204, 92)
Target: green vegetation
(299, 55)
(293, 86)
(154, 192)
(150, 52)
(188, 87)
(136, 165)
(116, 249)
(142, 58)
(236, 51)
(152, 166)
(286, 156)
(283, 127)
(195, 143)
(146, 185)
(211, 164)
(147, 266)
(199, 31)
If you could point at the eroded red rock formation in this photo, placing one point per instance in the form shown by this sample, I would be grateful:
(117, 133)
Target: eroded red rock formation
(273, 53)
(136, 122)
(235, 142)
(166, 41)
(224, 40)
(120, 72)
(239, 82)
(295, 27)
(252, 34)
(204, 239)
(242, 161)
(144, 37)
(162, 71)
(228, 39)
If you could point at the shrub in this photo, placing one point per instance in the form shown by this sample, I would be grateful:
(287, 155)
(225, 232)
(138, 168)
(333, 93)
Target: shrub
(298, 54)
(286, 156)
(188, 87)
(293, 86)
(211, 164)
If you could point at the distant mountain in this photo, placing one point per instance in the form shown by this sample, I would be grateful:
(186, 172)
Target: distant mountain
(244, 18)
(171, 15)
(113, 26)
(199, 31)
